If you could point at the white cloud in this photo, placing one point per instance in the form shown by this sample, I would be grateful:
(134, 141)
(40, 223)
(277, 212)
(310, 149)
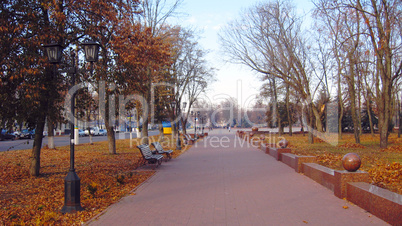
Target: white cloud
(192, 20)
(217, 27)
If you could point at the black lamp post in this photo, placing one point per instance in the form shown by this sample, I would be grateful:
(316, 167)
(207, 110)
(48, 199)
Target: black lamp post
(195, 123)
(178, 142)
(198, 117)
(176, 127)
(181, 115)
(172, 106)
(72, 182)
(202, 122)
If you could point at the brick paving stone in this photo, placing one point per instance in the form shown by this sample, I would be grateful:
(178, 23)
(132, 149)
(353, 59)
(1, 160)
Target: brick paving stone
(231, 183)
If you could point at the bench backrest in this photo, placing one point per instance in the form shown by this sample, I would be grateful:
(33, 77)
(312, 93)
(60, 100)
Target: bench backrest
(157, 146)
(187, 136)
(145, 150)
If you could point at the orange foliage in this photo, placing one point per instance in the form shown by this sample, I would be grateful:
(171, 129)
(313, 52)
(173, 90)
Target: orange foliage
(387, 175)
(351, 145)
(105, 178)
(318, 140)
(383, 165)
(394, 149)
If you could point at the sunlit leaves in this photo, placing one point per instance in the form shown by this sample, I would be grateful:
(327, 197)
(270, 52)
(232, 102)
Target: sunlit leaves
(105, 178)
(383, 165)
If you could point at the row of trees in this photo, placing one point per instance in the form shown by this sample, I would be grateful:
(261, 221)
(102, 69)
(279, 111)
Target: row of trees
(351, 56)
(138, 50)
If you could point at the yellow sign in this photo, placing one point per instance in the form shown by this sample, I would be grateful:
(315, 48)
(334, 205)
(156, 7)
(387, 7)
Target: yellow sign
(167, 130)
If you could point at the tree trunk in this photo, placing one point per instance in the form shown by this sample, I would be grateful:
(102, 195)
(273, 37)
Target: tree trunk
(183, 123)
(34, 169)
(359, 107)
(384, 97)
(50, 133)
(311, 124)
(144, 131)
(137, 129)
(109, 117)
(316, 114)
(383, 129)
(160, 127)
(90, 135)
(384, 116)
(288, 111)
(276, 108)
(369, 115)
(110, 137)
(146, 110)
(173, 128)
(354, 118)
(400, 120)
(340, 100)
(45, 102)
(352, 94)
(340, 119)
(89, 128)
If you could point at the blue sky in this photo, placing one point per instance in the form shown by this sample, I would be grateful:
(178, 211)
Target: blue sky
(209, 16)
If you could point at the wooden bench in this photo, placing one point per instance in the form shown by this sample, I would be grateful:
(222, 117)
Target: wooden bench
(159, 149)
(188, 139)
(149, 156)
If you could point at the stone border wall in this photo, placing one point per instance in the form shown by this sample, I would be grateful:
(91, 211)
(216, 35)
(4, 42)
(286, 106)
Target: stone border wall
(378, 201)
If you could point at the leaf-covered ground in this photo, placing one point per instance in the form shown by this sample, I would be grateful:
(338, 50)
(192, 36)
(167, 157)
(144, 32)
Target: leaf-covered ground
(105, 178)
(383, 165)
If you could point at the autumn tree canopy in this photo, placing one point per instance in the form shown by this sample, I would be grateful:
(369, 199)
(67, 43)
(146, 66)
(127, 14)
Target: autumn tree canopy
(136, 52)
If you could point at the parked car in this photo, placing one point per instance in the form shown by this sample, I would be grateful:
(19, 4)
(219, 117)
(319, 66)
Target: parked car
(27, 134)
(94, 131)
(102, 132)
(17, 134)
(81, 132)
(6, 135)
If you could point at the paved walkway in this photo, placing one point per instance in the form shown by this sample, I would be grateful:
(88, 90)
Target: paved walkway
(220, 182)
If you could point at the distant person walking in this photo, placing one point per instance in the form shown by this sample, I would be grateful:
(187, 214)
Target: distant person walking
(229, 128)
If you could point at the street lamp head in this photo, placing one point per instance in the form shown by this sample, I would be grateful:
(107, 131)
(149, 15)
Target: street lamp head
(172, 104)
(184, 104)
(54, 52)
(91, 50)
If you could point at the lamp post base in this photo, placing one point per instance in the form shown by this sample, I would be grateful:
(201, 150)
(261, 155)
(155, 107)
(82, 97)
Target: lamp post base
(178, 143)
(72, 185)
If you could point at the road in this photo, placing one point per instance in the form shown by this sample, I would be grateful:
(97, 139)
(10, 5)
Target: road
(60, 141)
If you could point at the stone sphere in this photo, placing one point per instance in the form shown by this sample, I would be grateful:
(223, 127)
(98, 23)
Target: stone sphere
(254, 129)
(283, 143)
(351, 162)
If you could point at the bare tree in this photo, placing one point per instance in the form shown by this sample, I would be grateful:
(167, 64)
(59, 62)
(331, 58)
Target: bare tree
(269, 39)
(349, 24)
(156, 12)
(271, 90)
(191, 74)
(382, 20)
